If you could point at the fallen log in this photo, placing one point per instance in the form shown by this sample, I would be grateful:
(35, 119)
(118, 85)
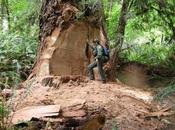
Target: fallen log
(26, 114)
(75, 116)
(161, 113)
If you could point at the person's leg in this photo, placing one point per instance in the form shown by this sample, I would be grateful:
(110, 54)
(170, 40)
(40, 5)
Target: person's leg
(91, 71)
(101, 71)
(105, 59)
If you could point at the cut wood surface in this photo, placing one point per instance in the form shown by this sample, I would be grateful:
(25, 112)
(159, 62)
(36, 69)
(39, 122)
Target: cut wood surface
(63, 38)
(162, 112)
(26, 114)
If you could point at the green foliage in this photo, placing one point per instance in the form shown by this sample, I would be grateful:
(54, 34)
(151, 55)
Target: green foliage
(112, 11)
(3, 111)
(4, 124)
(88, 8)
(3, 116)
(17, 53)
(88, 2)
(114, 128)
(165, 92)
(113, 20)
(149, 53)
(18, 44)
(148, 45)
(114, 125)
(24, 15)
(147, 33)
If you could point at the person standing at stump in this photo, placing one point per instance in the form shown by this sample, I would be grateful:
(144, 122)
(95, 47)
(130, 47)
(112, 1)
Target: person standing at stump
(99, 59)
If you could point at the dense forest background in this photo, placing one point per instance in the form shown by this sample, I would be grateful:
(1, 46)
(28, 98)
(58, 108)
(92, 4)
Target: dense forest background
(18, 38)
(147, 32)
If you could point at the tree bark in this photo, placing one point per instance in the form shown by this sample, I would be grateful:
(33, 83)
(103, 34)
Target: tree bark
(5, 12)
(65, 26)
(8, 13)
(119, 39)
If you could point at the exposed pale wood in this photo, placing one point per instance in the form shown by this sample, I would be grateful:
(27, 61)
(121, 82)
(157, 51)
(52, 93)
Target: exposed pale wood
(26, 114)
(162, 112)
(77, 113)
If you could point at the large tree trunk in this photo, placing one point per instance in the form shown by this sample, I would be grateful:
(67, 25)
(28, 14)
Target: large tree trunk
(63, 35)
(119, 39)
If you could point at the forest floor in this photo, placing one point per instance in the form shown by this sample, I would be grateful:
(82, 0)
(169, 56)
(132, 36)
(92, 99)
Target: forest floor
(126, 107)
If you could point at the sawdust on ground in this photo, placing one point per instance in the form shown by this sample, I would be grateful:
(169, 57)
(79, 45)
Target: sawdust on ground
(126, 107)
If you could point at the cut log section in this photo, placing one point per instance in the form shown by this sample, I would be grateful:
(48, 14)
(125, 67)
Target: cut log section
(26, 114)
(74, 116)
(160, 113)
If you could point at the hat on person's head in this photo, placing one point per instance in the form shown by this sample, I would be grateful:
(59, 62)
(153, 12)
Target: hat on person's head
(97, 41)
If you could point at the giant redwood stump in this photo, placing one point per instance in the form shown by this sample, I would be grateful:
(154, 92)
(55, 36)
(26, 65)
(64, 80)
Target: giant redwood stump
(65, 27)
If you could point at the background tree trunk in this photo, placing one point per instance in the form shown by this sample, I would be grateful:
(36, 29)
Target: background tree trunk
(5, 15)
(119, 39)
(65, 26)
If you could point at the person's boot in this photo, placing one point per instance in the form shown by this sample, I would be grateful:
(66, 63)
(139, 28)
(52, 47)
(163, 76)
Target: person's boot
(103, 81)
(92, 78)
(91, 75)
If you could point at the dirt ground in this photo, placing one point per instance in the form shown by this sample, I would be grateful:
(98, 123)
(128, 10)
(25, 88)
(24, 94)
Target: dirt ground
(126, 107)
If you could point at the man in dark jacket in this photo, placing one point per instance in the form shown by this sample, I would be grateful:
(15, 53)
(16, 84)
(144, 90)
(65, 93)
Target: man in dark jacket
(99, 60)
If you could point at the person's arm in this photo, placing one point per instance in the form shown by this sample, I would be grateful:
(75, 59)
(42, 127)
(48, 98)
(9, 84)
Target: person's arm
(90, 45)
(93, 48)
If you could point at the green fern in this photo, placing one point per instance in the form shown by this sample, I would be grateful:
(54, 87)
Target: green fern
(3, 115)
(166, 92)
